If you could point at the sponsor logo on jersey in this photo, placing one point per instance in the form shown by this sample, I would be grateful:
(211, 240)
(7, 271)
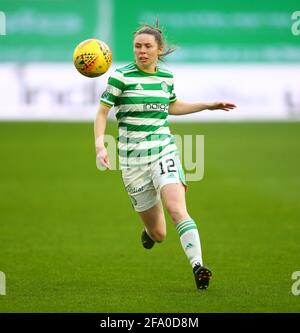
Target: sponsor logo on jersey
(156, 107)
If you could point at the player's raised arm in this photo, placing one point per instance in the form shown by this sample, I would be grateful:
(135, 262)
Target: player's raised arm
(180, 108)
(99, 130)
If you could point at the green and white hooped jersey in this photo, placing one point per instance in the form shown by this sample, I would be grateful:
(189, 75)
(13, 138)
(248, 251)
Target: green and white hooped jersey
(141, 102)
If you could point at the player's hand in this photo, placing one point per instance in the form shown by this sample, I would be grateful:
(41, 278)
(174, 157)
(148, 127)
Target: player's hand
(102, 157)
(221, 106)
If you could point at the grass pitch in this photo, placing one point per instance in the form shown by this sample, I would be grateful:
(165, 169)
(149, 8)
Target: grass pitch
(70, 241)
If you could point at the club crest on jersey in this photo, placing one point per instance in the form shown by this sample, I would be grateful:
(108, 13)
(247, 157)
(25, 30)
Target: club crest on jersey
(164, 86)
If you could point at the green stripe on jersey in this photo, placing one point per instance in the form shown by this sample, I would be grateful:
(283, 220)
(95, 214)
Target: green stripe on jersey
(143, 128)
(146, 86)
(109, 97)
(142, 100)
(116, 83)
(142, 114)
(138, 73)
(150, 137)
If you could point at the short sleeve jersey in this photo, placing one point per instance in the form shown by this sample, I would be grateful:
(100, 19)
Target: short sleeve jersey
(141, 101)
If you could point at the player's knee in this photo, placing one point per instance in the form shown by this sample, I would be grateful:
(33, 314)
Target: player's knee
(158, 235)
(177, 213)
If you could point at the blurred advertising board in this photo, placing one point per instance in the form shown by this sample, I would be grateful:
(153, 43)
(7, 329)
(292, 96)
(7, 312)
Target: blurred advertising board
(56, 91)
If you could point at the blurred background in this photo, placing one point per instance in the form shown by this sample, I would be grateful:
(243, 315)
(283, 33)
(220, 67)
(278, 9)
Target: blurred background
(247, 52)
(69, 239)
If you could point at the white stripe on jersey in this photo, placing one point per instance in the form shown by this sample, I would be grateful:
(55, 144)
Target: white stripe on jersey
(146, 93)
(144, 121)
(144, 144)
(147, 79)
(113, 90)
(130, 161)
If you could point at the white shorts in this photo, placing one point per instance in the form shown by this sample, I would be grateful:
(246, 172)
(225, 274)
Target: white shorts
(143, 184)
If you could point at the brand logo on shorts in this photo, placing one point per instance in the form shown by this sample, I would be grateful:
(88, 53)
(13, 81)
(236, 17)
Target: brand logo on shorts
(132, 190)
(171, 175)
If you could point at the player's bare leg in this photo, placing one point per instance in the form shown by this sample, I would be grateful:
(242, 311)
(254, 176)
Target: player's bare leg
(173, 196)
(155, 225)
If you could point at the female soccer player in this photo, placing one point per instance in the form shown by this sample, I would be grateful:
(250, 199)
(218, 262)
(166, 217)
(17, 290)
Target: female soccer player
(142, 94)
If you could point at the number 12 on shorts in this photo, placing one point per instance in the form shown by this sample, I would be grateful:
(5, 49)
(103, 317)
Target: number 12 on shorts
(168, 166)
